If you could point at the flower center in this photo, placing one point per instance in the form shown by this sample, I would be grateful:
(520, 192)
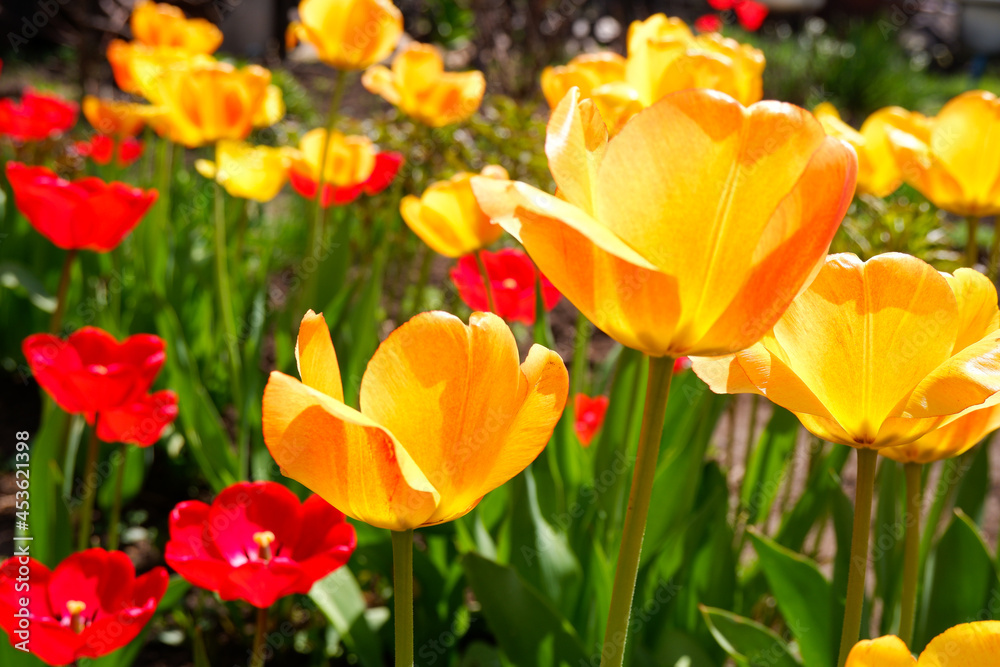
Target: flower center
(99, 369)
(263, 540)
(75, 609)
(508, 283)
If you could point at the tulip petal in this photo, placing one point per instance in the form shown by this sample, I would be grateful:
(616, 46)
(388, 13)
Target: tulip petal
(977, 306)
(316, 357)
(966, 381)
(950, 440)
(966, 644)
(881, 652)
(575, 143)
(966, 140)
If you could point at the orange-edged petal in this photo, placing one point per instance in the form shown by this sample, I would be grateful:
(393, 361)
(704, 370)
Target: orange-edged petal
(950, 440)
(587, 72)
(575, 142)
(969, 644)
(966, 381)
(977, 306)
(882, 652)
(316, 357)
(349, 460)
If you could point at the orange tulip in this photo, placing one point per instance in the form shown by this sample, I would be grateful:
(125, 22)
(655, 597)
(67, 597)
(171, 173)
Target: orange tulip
(163, 25)
(690, 231)
(419, 86)
(967, 645)
(447, 217)
(447, 415)
(952, 158)
(121, 119)
(875, 354)
(348, 34)
(601, 78)
(136, 66)
(350, 159)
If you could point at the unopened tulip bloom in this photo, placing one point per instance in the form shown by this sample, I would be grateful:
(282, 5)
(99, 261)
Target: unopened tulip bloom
(589, 416)
(86, 214)
(303, 179)
(111, 117)
(350, 162)
(967, 645)
(104, 149)
(37, 116)
(90, 605)
(248, 172)
(447, 216)
(513, 281)
(163, 25)
(256, 542)
(348, 34)
(419, 86)
(447, 415)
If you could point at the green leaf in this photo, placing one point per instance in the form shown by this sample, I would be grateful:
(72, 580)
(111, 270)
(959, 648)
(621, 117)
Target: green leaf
(15, 276)
(135, 471)
(768, 464)
(340, 599)
(747, 641)
(521, 619)
(975, 485)
(803, 596)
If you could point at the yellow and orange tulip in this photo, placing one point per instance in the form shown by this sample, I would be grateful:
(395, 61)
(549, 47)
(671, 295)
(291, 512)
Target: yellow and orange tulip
(967, 645)
(599, 77)
(875, 354)
(419, 86)
(120, 119)
(136, 66)
(350, 159)
(951, 158)
(447, 217)
(348, 34)
(447, 415)
(691, 230)
(248, 172)
(162, 25)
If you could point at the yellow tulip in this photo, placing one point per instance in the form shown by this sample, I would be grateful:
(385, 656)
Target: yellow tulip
(136, 66)
(601, 78)
(248, 172)
(691, 230)
(348, 34)
(447, 218)
(200, 101)
(952, 158)
(447, 415)
(121, 119)
(967, 645)
(350, 159)
(878, 172)
(163, 25)
(419, 86)
(875, 354)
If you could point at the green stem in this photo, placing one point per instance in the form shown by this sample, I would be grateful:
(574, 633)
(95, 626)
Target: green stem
(67, 270)
(487, 283)
(581, 342)
(116, 507)
(971, 245)
(222, 286)
(89, 489)
(661, 371)
(994, 267)
(402, 594)
(911, 552)
(257, 652)
(425, 272)
(867, 458)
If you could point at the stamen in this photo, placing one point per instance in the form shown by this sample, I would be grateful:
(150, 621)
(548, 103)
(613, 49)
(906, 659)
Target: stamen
(509, 283)
(75, 609)
(264, 539)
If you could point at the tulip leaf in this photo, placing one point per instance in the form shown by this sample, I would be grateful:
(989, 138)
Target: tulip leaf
(814, 501)
(768, 464)
(748, 642)
(520, 617)
(135, 461)
(14, 275)
(975, 485)
(49, 512)
(803, 596)
(340, 599)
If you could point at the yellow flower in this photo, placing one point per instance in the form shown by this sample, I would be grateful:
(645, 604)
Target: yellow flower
(162, 25)
(137, 66)
(601, 78)
(350, 159)
(419, 86)
(952, 158)
(875, 354)
(447, 217)
(121, 119)
(447, 415)
(691, 230)
(248, 172)
(348, 34)
(967, 645)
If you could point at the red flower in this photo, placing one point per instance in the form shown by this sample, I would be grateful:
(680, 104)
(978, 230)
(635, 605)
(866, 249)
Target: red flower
(86, 214)
(387, 165)
(722, 5)
(512, 277)
(92, 372)
(589, 416)
(89, 606)
(257, 543)
(101, 147)
(37, 116)
(751, 14)
(681, 364)
(140, 422)
(708, 23)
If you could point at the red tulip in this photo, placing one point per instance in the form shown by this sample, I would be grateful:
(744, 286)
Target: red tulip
(86, 214)
(387, 165)
(101, 149)
(512, 277)
(140, 422)
(722, 5)
(89, 606)
(681, 364)
(37, 116)
(92, 372)
(257, 543)
(751, 14)
(708, 23)
(589, 416)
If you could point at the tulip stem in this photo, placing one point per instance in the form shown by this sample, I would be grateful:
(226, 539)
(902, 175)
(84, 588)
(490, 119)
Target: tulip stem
(490, 303)
(402, 593)
(89, 489)
(911, 552)
(971, 245)
(995, 251)
(661, 371)
(67, 270)
(581, 347)
(229, 322)
(116, 507)
(864, 489)
(257, 656)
